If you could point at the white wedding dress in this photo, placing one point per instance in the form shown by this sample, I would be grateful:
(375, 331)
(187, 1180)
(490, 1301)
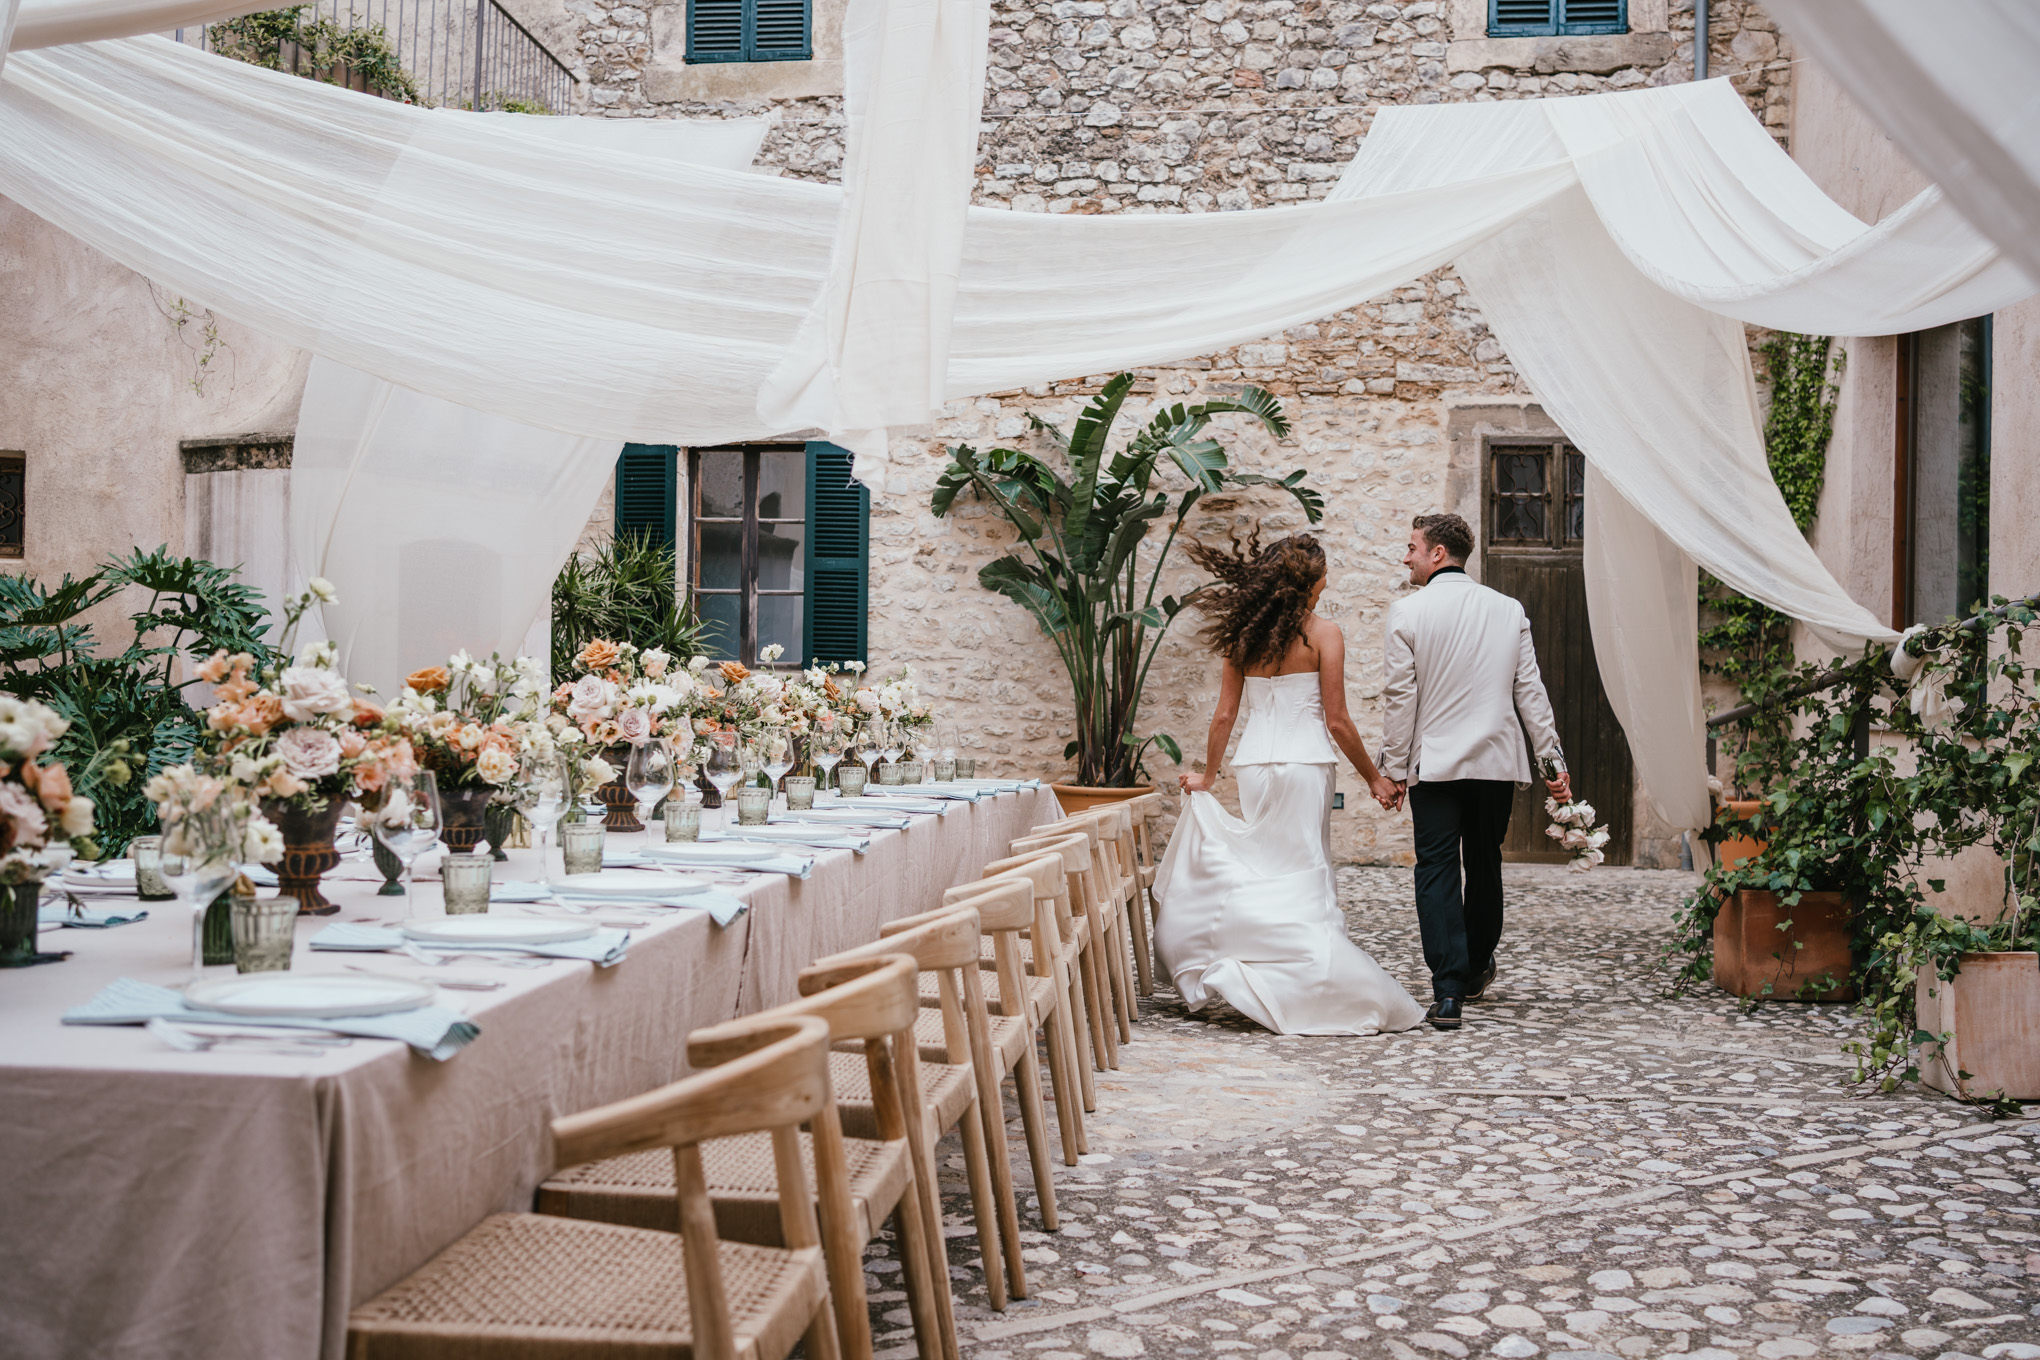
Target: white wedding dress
(1247, 909)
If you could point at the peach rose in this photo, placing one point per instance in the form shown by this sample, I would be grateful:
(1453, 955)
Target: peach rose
(54, 787)
(599, 654)
(430, 680)
(733, 671)
(366, 714)
(284, 784)
(468, 738)
(352, 744)
(214, 668)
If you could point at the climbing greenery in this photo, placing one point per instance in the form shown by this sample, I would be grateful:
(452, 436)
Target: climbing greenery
(285, 40)
(1806, 375)
(627, 590)
(1875, 822)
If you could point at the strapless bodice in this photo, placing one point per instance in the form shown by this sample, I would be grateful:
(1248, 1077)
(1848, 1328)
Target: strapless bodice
(1285, 722)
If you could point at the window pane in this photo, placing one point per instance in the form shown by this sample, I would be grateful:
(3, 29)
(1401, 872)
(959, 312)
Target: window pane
(721, 489)
(1950, 480)
(719, 561)
(1520, 473)
(720, 615)
(1519, 521)
(779, 556)
(1575, 496)
(779, 621)
(782, 484)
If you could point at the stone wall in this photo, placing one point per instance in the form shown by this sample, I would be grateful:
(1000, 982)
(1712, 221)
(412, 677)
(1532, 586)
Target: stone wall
(1150, 106)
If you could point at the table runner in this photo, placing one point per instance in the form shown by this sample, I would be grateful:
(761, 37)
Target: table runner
(236, 1206)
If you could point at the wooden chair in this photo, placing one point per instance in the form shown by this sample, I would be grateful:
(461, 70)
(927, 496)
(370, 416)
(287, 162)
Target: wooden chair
(1141, 812)
(741, 1173)
(520, 1286)
(1067, 944)
(1113, 881)
(957, 1031)
(1043, 996)
(1091, 934)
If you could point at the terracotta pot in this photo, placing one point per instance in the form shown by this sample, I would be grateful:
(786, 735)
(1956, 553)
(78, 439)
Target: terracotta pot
(1992, 1006)
(1736, 849)
(1753, 957)
(460, 816)
(1077, 798)
(307, 851)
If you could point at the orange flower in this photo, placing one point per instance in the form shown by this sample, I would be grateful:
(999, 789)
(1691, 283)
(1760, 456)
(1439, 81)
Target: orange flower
(599, 654)
(366, 714)
(260, 713)
(430, 680)
(352, 744)
(214, 668)
(733, 671)
(53, 787)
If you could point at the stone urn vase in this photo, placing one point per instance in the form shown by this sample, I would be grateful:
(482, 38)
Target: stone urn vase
(461, 814)
(307, 851)
(619, 808)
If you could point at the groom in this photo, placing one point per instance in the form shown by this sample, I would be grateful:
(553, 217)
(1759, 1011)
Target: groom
(1461, 691)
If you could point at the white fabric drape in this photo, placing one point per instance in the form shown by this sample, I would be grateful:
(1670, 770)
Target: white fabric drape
(1613, 241)
(441, 526)
(51, 23)
(1954, 86)
(9, 13)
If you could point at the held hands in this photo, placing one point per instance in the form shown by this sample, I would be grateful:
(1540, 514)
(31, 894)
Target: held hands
(1560, 785)
(1387, 792)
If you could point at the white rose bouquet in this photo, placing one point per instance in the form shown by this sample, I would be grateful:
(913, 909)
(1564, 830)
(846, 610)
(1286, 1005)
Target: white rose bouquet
(43, 825)
(1573, 826)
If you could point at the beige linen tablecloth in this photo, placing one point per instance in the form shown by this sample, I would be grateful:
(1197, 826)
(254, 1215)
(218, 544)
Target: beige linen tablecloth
(235, 1206)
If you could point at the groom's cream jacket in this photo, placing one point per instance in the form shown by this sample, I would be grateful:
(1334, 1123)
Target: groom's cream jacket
(1460, 686)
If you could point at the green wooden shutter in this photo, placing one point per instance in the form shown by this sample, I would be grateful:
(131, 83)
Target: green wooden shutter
(1593, 16)
(1522, 18)
(645, 491)
(779, 30)
(715, 30)
(838, 558)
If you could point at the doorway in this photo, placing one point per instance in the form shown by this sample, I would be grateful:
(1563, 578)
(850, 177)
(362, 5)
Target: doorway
(1533, 497)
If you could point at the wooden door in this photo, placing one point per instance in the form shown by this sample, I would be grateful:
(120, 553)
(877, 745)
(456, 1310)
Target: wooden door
(1534, 501)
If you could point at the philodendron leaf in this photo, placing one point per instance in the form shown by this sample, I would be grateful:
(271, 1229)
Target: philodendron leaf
(1151, 617)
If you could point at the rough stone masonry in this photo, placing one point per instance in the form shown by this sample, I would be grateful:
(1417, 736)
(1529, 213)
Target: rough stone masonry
(1096, 106)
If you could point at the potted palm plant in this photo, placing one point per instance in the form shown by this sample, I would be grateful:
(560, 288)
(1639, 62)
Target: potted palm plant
(1080, 568)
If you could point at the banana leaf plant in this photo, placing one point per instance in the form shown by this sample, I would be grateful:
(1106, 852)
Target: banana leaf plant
(1083, 574)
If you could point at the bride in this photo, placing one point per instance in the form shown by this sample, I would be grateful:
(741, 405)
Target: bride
(1247, 908)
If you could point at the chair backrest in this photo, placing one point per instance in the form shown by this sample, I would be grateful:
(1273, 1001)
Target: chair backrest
(1049, 865)
(775, 1078)
(944, 943)
(1077, 842)
(1144, 810)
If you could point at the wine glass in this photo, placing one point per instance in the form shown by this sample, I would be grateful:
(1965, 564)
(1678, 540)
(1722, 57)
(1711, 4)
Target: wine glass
(870, 738)
(408, 823)
(540, 791)
(777, 746)
(723, 769)
(892, 742)
(828, 745)
(650, 774)
(946, 745)
(201, 853)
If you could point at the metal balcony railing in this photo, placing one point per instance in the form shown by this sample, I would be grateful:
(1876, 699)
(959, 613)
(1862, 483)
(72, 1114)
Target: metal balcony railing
(471, 54)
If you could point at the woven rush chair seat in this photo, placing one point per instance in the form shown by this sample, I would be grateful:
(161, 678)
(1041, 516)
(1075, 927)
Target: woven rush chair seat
(638, 1188)
(946, 1091)
(1009, 1035)
(1041, 990)
(533, 1287)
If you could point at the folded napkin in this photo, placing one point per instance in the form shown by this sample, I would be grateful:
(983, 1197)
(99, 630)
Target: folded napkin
(432, 1030)
(792, 865)
(961, 793)
(1000, 785)
(720, 905)
(813, 834)
(605, 948)
(88, 918)
(848, 816)
(891, 802)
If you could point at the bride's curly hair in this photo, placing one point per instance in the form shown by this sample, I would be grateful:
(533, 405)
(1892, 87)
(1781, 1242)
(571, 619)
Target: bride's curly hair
(1260, 598)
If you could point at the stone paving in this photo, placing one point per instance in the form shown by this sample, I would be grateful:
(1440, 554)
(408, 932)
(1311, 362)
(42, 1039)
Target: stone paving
(1710, 1186)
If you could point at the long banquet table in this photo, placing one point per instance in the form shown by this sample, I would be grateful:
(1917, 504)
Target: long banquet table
(236, 1205)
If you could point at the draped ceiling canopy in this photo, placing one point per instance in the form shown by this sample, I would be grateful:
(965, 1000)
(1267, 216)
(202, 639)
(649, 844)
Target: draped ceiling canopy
(609, 280)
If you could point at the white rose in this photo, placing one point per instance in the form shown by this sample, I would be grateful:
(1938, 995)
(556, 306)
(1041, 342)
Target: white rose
(698, 664)
(322, 590)
(592, 697)
(634, 725)
(309, 753)
(309, 692)
(495, 767)
(597, 771)
(867, 700)
(1585, 813)
(770, 654)
(77, 816)
(262, 842)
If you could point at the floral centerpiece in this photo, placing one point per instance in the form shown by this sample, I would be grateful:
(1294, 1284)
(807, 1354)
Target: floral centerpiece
(465, 721)
(297, 739)
(43, 824)
(622, 697)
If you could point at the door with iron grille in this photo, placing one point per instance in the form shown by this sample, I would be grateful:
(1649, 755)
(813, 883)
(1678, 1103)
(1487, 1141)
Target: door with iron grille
(1534, 497)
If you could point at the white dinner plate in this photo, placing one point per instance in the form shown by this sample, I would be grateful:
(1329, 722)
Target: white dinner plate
(848, 815)
(311, 996)
(713, 854)
(496, 930)
(624, 883)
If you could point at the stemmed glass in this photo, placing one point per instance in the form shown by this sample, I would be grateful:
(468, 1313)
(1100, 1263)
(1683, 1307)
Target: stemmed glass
(650, 774)
(870, 738)
(408, 823)
(827, 747)
(200, 858)
(892, 742)
(945, 741)
(541, 794)
(723, 769)
(777, 746)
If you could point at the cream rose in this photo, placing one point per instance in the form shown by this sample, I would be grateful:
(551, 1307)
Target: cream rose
(592, 697)
(634, 725)
(309, 693)
(496, 767)
(309, 753)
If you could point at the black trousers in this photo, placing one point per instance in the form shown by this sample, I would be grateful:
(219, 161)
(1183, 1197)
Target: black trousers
(1460, 822)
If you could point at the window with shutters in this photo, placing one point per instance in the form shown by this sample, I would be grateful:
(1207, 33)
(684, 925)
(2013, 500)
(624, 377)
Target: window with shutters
(1547, 18)
(749, 30)
(645, 475)
(778, 551)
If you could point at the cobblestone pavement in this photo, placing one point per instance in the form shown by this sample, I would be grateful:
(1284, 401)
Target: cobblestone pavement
(1712, 1187)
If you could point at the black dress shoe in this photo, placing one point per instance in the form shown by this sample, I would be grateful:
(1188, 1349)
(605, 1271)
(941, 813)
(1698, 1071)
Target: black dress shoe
(1478, 992)
(1444, 1013)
